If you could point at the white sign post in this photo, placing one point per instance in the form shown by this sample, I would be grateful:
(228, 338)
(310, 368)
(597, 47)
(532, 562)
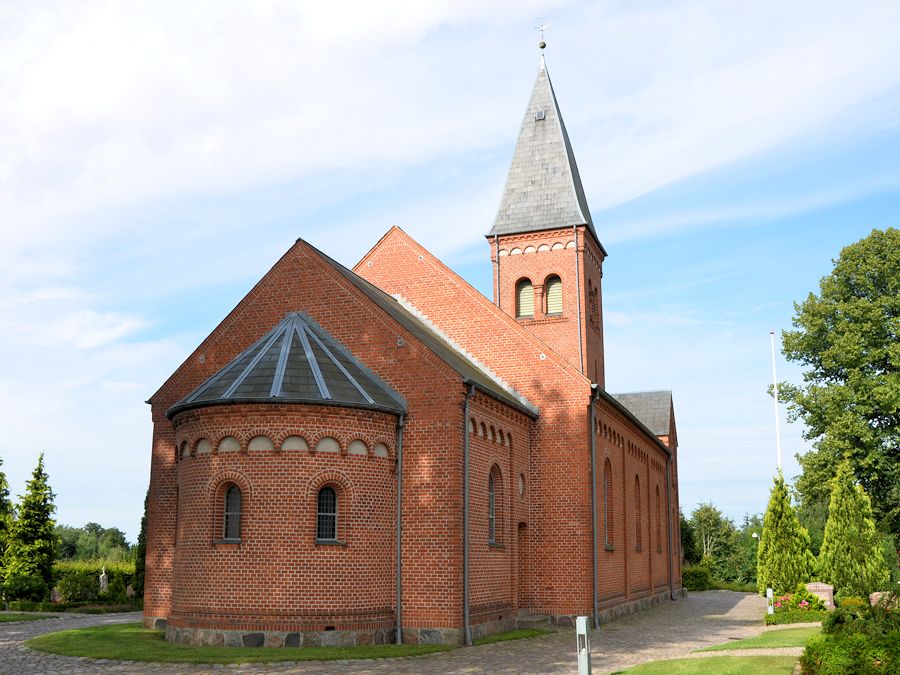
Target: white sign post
(584, 645)
(770, 597)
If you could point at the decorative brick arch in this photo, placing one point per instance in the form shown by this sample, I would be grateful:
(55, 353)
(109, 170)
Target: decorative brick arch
(313, 439)
(217, 439)
(343, 488)
(215, 491)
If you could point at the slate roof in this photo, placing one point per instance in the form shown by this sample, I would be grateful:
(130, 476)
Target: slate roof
(652, 408)
(295, 362)
(543, 187)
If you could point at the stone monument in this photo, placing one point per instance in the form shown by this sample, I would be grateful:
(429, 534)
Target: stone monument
(104, 580)
(825, 592)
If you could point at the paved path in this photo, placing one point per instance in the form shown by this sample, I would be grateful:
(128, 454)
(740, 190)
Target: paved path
(670, 630)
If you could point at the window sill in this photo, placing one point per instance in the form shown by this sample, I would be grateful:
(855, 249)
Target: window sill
(610, 548)
(227, 542)
(330, 542)
(494, 544)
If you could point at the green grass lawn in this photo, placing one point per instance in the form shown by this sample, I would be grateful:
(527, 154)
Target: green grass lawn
(131, 642)
(17, 616)
(718, 665)
(787, 637)
(516, 634)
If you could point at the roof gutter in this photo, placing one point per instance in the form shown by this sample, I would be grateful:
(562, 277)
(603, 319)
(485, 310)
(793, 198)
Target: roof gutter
(487, 392)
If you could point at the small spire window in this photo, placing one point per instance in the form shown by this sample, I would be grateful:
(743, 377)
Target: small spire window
(524, 299)
(553, 288)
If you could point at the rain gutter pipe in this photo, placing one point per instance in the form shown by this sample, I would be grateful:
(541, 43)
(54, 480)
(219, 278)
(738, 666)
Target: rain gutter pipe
(592, 421)
(669, 523)
(470, 392)
(398, 584)
(578, 303)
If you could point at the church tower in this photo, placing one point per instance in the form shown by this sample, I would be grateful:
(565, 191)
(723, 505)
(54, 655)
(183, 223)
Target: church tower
(548, 261)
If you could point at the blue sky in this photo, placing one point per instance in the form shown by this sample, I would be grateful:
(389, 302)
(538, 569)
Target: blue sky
(159, 157)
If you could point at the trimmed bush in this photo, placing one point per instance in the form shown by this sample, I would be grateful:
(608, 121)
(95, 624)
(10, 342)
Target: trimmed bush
(29, 587)
(796, 616)
(853, 653)
(695, 578)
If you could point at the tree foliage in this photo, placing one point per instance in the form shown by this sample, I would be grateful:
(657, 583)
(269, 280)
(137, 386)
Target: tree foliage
(31, 548)
(784, 559)
(6, 517)
(689, 552)
(140, 552)
(92, 542)
(852, 559)
(716, 535)
(848, 339)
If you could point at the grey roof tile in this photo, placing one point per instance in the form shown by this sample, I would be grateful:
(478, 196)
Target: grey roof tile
(543, 187)
(652, 408)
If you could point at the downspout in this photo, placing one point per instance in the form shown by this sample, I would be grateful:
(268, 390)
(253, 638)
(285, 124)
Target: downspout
(669, 524)
(592, 417)
(468, 632)
(578, 302)
(496, 253)
(398, 639)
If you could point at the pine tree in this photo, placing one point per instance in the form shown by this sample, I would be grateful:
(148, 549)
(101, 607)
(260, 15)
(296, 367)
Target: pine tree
(31, 548)
(140, 553)
(851, 558)
(784, 558)
(6, 517)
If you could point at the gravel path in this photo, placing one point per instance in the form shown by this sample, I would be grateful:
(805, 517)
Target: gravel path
(671, 630)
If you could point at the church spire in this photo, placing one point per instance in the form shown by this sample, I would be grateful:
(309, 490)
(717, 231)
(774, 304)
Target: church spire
(543, 188)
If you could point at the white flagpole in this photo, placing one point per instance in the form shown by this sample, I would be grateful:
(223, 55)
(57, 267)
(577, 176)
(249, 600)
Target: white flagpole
(775, 392)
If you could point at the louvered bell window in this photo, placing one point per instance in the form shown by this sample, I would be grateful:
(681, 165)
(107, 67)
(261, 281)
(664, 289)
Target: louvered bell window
(554, 295)
(524, 299)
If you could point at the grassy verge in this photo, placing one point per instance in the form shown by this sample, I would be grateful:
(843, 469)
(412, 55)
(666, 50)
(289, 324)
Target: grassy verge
(131, 642)
(516, 634)
(17, 616)
(788, 637)
(718, 665)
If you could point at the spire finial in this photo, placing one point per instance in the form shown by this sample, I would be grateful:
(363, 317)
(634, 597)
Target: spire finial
(542, 27)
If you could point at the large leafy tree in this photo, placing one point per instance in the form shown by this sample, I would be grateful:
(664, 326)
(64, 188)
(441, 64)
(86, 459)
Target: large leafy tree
(852, 558)
(716, 535)
(31, 548)
(848, 338)
(784, 559)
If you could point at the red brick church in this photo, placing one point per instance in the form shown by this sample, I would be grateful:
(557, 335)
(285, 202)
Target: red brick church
(383, 453)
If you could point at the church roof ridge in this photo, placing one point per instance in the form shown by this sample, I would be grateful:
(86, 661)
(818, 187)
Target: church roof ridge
(543, 188)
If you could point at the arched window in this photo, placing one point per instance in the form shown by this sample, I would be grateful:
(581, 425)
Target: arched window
(608, 503)
(658, 522)
(524, 299)
(495, 506)
(231, 530)
(326, 516)
(637, 513)
(553, 291)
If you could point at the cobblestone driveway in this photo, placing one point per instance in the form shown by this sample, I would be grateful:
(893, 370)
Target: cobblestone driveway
(670, 630)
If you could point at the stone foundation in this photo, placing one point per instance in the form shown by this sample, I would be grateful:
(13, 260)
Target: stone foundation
(244, 638)
(624, 609)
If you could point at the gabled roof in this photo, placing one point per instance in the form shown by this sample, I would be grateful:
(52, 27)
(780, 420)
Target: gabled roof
(440, 345)
(543, 187)
(295, 362)
(652, 408)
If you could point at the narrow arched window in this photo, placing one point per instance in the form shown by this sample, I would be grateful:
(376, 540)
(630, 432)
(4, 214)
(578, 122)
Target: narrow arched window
(326, 516)
(637, 513)
(492, 510)
(524, 299)
(553, 290)
(658, 522)
(231, 530)
(608, 503)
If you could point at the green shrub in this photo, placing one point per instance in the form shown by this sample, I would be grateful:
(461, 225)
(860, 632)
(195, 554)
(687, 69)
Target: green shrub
(853, 604)
(838, 654)
(695, 578)
(749, 587)
(78, 587)
(796, 616)
(24, 587)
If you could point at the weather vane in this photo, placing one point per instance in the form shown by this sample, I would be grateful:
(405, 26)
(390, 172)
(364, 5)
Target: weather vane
(542, 27)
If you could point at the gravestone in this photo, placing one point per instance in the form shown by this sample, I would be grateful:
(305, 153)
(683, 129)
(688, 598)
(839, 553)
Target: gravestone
(104, 580)
(55, 595)
(129, 591)
(825, 592)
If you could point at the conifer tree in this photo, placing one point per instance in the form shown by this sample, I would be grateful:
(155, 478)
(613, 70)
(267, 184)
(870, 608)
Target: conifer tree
(6, 516)
(31, 548)
(140, 553)
(784, 559)
(851, 558)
